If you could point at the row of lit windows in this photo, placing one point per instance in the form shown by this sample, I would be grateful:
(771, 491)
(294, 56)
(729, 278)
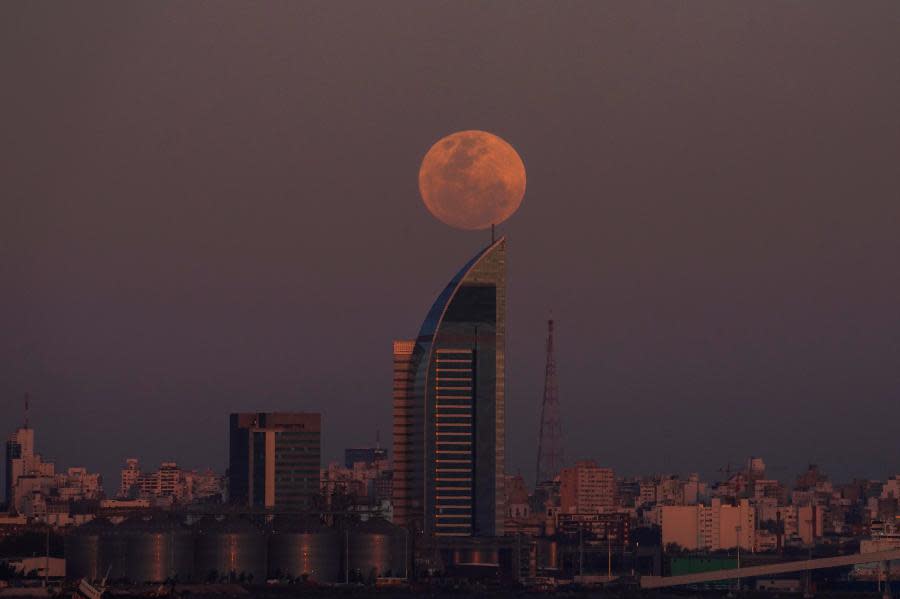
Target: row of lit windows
(454, 394)
(456, 513)
(454, 421)
(454, 403)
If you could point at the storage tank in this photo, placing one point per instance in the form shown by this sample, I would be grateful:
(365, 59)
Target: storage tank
(476, 556)
(305, 547)
(232, 549)
(375, 548)
(157, 548)
(83, 550)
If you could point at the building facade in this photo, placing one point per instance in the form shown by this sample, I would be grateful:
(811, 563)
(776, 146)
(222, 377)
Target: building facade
(169, 481)
(587, 488)
(274, 459)
(449, 407)
(33, 486)
(365, 455)
(713, 527)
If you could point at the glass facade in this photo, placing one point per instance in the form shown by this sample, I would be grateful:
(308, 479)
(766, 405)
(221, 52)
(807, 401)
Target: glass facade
(449, 398)
(274, 459)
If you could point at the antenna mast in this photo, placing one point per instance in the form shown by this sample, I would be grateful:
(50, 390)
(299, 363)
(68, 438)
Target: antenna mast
(550, 451)
(27, 397)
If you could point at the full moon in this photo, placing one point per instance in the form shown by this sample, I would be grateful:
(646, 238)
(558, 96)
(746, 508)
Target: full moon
(472, 180)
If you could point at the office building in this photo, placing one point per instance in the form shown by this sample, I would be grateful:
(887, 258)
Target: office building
(449, 402)
(587, 488)
(274, 459)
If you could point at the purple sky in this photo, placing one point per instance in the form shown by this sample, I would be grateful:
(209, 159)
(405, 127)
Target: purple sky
(213, 207)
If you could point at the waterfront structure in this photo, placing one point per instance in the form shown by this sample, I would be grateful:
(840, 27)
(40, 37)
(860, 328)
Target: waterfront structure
(274, 459)
(449, 407)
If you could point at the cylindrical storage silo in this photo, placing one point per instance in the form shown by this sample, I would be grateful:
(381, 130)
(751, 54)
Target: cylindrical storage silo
(304, 547)
(156, 548)
(476, 556)
(375, 548)
(229, 549)
(83, 550)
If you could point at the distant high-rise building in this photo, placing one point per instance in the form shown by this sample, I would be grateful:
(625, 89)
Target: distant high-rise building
(274, 459)
(129, 478)
(587, 488)
(169, 482)
(19, 444)
(366, 455)
(25, 469)
(713, 527)
(449, 407)
(34, 488)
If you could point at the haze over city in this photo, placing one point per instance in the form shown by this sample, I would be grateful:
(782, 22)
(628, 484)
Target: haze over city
(215, 210)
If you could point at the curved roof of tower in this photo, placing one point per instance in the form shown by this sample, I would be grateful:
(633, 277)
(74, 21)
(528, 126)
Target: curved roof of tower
(436, 313)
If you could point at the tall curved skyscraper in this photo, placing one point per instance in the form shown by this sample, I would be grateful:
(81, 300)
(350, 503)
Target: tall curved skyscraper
(449, 407)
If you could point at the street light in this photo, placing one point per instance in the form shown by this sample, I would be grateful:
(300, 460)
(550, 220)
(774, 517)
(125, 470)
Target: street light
(738, 529)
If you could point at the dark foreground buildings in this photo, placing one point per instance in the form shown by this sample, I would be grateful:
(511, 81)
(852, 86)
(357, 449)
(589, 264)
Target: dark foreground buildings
(274, 459)
(449, 419)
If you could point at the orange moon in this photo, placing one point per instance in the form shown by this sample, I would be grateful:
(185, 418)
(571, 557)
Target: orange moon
(472, 180)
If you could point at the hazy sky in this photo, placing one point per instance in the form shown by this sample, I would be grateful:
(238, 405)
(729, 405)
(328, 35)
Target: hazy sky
(211, 207)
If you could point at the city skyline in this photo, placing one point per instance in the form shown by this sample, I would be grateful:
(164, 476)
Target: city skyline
(205, 219)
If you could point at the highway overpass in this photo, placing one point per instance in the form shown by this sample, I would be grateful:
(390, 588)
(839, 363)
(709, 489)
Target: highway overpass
(656, 582)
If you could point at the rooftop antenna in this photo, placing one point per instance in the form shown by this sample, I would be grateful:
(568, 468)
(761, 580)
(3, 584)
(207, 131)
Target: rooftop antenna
(27, 397)
(377, 438)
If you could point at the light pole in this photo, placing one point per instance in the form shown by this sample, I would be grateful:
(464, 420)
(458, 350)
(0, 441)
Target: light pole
(634, 559)
(581, 549)
(738, 529)
(608, 555)
(47, 556)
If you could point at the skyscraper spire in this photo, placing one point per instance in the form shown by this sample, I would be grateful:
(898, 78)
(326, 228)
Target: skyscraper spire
(27, 397)
(550, 451)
